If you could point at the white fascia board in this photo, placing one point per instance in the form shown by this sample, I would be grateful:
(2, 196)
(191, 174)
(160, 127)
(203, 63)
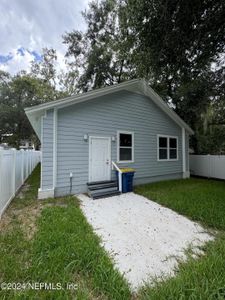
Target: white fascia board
(81, 97)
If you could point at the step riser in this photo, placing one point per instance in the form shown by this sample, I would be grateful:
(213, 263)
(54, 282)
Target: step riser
(99, 187)
(105, 196)
(100, 182)
(114, 189)
(102, 189)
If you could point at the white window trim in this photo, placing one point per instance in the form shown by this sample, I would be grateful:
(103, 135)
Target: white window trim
(118, 147)
(168, 147)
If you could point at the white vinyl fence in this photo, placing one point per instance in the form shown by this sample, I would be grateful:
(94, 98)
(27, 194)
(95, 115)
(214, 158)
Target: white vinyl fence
(212, 166)
(15, 167)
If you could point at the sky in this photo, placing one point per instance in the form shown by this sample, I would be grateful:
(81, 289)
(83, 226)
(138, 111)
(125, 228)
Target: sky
(28, 26)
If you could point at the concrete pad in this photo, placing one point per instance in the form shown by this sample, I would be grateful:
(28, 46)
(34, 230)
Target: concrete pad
(144, 238)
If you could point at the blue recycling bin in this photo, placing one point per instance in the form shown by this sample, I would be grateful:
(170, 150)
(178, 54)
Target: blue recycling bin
(127, 182)
(127, 179)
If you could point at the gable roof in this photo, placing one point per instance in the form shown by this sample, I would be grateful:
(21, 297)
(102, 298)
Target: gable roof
(34, 113)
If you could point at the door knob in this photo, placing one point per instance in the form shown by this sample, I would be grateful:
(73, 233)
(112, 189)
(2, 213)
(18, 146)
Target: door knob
(107, 161)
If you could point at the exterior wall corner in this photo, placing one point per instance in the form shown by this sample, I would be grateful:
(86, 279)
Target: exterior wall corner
(48, 193)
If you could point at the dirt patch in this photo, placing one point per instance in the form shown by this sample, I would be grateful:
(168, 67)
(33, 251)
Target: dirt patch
(23, 190)
(5, 222)
(26, 216)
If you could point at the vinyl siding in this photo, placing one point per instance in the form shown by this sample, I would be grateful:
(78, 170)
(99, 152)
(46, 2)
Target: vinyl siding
(104, 117)
(47, 151)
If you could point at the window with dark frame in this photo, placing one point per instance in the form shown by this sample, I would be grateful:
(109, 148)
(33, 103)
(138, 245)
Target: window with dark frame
(125, 147)
(163, 148)
(173, 148)
(167, 148)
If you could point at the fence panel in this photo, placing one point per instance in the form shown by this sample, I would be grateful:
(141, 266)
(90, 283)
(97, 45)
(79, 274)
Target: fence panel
(18, 166)
(15, 167)
(212, 166)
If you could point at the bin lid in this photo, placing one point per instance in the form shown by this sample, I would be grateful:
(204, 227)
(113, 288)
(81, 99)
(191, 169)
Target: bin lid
(127, 170)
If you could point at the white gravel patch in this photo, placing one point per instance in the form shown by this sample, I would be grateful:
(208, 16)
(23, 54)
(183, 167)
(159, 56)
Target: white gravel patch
(144, 238)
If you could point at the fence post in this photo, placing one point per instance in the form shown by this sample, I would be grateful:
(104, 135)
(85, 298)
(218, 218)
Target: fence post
(33, 154)
(27, 163)
(30, 162)
(22, 165)
(209, 165)
(14, 172)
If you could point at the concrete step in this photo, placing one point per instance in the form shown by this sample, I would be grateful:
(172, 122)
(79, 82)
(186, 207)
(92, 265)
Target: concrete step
(93, 183)
(101, 189)
(105, 194)
(102, 186)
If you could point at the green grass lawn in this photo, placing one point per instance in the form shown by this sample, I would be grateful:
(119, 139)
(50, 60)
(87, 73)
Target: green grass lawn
(50, 241)
(61, 249)
(201, 200)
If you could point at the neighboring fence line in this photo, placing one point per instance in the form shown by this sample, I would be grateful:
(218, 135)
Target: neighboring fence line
(15, 167)
(211, 166)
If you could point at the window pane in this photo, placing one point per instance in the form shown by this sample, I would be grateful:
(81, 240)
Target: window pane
(162, 153)
(173, 153)
(162, 142)
(125, 140)
(173, 143)
(125, 154)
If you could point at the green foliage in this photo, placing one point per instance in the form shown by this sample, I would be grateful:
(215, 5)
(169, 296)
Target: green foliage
(20, 91)
(99, 53)
(63, 250)
(171, 44)
(200, 199)
(212, 142)
(46, 67)
(27, 89)
(197, 279)
(177, 46)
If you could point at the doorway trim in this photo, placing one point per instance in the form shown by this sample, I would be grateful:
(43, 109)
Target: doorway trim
(89, 154)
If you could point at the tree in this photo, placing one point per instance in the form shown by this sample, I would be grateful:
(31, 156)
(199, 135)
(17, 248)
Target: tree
(67, 81)
(98, 55)
(16, 93)
(172, 44)
(46, 67)
(212, 134)
(175, 46)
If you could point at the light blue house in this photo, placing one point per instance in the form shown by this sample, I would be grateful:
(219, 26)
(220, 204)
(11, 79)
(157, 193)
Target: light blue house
(87, 136)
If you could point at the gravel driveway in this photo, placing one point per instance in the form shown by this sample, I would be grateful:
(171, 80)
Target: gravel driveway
(143, 238)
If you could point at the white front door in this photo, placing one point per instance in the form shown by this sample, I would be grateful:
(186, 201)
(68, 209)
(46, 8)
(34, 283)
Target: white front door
(99, 158)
